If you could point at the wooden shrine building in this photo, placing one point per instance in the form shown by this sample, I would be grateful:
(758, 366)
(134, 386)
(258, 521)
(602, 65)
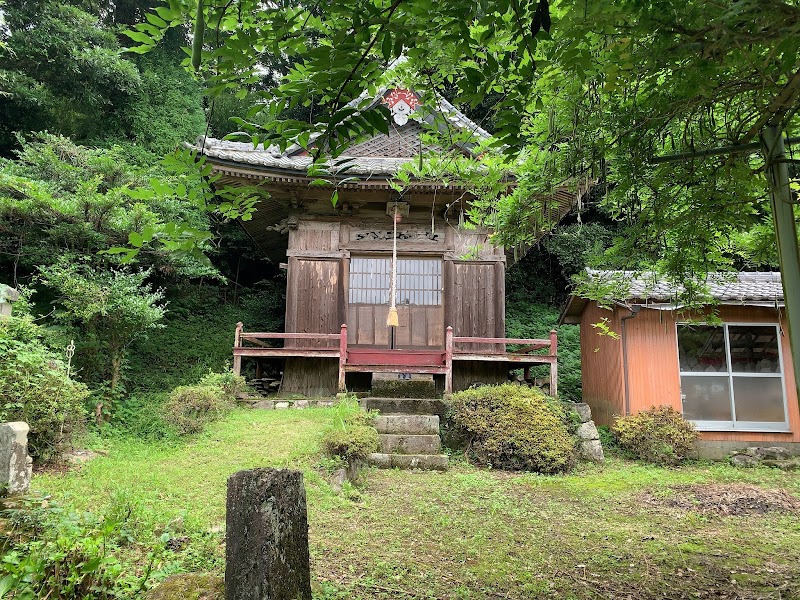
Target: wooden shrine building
(450, 292)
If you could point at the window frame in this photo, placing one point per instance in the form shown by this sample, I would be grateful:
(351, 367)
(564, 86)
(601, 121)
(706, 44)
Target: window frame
(437, 293)
(734, 424)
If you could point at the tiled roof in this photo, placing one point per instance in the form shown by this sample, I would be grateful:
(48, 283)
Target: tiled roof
(244, 153)
(294, 158)
(637, 288)
(724, 287)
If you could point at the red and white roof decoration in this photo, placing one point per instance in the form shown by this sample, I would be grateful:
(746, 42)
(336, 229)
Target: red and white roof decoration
(401, 103)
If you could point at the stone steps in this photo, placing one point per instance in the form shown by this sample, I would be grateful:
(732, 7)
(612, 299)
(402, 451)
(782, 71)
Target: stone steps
(392, 443)
(405, 406)
(430, 462)
(409, 438)
(408, 424)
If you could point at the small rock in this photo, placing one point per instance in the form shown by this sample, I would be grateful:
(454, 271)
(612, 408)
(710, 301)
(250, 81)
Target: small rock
(784, 465)
(744, 460)
(301, 404)
(337, 479)
(264, 405)
(592, 450)
(79, 457)
(175, 525)
(588, 431)
(197, 586)
(774, 453)
(325, 403)
(281, 405)
(177, 544)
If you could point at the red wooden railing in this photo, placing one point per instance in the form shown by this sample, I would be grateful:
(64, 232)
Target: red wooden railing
(456, 348)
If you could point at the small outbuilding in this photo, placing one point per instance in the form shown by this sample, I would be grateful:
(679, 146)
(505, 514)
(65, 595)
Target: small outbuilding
(727, 366)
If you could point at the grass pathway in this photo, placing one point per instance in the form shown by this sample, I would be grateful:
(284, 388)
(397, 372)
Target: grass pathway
(601, 532)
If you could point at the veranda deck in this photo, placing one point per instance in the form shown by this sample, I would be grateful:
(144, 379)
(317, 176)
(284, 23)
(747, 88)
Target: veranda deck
(379, 360)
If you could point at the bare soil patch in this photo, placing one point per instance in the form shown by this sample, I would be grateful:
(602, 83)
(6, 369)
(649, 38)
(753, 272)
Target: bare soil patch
(725, 499)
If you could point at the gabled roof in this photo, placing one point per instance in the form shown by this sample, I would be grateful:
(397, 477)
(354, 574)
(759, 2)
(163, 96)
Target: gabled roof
(630, 288)
(380, 156)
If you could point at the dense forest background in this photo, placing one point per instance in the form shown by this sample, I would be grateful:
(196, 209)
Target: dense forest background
(84, 128)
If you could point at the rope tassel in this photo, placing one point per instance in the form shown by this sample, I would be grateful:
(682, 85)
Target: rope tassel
(392, 320)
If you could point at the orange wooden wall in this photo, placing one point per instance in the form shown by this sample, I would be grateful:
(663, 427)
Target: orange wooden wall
(601, 365)
(653, 375)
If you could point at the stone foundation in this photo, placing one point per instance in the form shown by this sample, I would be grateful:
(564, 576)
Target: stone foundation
(721, 450)
(286, 403)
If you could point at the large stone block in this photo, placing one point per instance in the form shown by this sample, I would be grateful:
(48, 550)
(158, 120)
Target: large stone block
(591, 450)
(416, 385)
(409, 444)
(267, 536)
(431, 462)
(588, 431)
(583, 410)
(15, 464)
(408, 424)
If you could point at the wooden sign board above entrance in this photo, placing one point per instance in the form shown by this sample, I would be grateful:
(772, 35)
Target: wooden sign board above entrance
(404, 234)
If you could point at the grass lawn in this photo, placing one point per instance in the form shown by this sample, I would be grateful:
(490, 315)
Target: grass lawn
(621, 530)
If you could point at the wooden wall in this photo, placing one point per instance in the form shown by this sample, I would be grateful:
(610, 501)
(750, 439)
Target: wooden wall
(475, 300)
(601, 364)
(653, 372)
(314, 299)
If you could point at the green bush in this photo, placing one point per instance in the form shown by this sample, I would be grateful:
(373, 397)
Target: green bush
(354, 443)
(659, 435)
(34, 388)
(352, 435)
(141, 415)
(190, 408)
(50, 552)
(514, 427)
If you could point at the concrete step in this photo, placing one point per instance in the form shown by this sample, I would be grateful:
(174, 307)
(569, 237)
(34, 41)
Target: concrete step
(431, 462)
(405, 406)
(392, 443)
(408, 424)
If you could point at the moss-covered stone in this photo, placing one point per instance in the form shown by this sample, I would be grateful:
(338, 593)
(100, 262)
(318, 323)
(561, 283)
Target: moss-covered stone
(189, 586)
(404, 388)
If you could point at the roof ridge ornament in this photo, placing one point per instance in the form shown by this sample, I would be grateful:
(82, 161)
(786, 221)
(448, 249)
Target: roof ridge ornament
(401, 102)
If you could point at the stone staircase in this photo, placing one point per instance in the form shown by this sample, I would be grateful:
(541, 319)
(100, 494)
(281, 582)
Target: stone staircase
(408, 429)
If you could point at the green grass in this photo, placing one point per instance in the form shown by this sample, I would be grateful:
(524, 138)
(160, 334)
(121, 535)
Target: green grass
(466, 533)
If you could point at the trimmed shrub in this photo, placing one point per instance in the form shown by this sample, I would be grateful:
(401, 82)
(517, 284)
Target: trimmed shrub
(190, 408)
(34, 388)
(513, 427)
(356, 442)
(352, 436)
(658, 435)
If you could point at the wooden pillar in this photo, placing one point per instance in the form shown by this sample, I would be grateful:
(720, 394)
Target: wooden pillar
(237, 343)
(342, 357)
(554, 364)
(448, 360)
